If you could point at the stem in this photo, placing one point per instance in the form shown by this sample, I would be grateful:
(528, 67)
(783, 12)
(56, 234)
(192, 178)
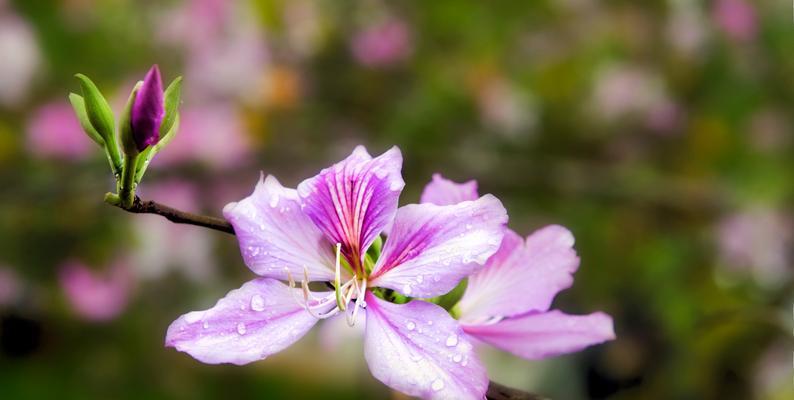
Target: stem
(127, 192)
(138, 206)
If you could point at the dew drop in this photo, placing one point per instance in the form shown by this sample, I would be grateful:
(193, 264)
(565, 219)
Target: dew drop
(274, 200)
(206, 325)
(437, 385)
(407, 289)
(457, 358)
(468, 227)
(241, 328)
(257, 303)
(452, 340)
(420, 278)
(410, 325)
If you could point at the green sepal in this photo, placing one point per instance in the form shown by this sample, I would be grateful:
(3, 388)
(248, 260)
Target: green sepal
(172, 96)
(101, 118)
(78, 104)
(125, 125)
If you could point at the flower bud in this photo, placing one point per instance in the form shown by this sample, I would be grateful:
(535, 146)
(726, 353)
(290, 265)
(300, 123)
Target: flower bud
(148, 111)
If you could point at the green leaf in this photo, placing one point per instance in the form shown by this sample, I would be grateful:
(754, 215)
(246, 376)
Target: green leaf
(101, 118)
(97, 108)
(172, 95)
(78, 104)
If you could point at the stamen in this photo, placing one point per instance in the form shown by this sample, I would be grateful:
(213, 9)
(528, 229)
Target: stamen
(359, 301)
(307, 294)
(338, 278)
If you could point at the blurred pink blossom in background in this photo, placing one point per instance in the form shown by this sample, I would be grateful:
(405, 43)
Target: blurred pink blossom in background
(210, 133)
(164, 246)
(54, 131)
(226, 52)
(757, 241)
(626, 90)
(10, 286)
(505, 108)
(383, 44)
(94, 295)
(685, 28)
(19, 59)
(736, 18)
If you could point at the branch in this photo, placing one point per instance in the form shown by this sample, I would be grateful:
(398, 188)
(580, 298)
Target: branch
(501, 392)
(495, 390)
(180, 217)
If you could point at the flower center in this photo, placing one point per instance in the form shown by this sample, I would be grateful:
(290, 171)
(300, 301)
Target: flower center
(344, 293)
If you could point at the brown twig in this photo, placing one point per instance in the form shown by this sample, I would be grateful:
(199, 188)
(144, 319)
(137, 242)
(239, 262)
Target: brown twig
(501, 392)
(495, 390)
(180, 217)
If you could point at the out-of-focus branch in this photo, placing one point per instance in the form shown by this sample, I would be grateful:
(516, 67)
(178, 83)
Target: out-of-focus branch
(501, 392)
(495, 390)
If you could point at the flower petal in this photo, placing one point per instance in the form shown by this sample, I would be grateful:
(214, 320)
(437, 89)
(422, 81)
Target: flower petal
(431, 248)
(542, 335)
(418, 349)
(148, 110)
(354, 200)
(444, 192)
(274, 235)
(259, 319)
(521, 277)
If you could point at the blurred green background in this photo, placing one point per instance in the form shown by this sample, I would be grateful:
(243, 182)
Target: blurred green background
(659, 132)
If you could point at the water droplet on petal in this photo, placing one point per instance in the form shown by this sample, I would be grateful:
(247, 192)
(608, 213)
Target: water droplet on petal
(457, 358)
(241, 328)
(452, 340)
(407, 289)
(257, 303)
(410, 325)
(274, 200)
(206, 325)
(437, 385)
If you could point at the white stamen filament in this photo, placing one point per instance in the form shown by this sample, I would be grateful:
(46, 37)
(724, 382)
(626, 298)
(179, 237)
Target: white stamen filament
(343, 293)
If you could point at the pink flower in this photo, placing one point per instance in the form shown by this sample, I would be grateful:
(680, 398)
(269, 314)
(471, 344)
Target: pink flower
(328, 230)
(506, 304)
(736, 18)
(382, 45)
(55, 132)
(94, 296)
